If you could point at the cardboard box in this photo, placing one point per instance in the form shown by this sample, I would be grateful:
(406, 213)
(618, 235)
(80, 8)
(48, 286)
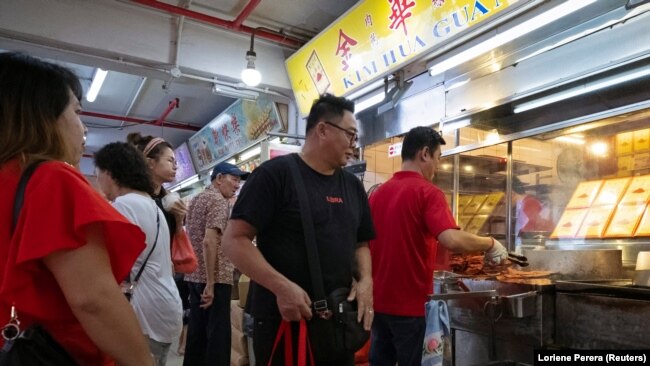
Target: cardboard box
(569, 223)
(244, 282)
(611, 191)
(236, 316)
(239, 342)
(585, 194)
(624, 143)
(594, 224)
(625, 221)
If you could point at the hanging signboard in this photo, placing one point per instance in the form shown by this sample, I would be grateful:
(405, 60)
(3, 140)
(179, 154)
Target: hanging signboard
(240, 125)
(376, 37)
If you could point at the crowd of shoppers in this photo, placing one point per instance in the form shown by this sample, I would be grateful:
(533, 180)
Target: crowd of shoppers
(63, 263)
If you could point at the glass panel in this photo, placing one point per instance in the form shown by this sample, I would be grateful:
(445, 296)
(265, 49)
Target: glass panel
(587, 184)
(471, 135)
(481, 204)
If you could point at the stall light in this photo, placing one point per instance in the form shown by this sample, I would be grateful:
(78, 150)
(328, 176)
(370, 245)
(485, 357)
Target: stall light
(455, 125)
(583, 89)
(367, 103)
(230, 92)
(250, 153)
(250, 75)
(571, 140)
(509, 35)
(445, 166)
(188, 182)
(599, 148)
(492, 136)
(457, 84)
(232, 161)
(468, 168)
(366, 89)
(96, 85)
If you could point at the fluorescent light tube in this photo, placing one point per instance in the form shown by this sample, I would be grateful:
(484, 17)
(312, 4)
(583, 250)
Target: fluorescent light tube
(367, 103)
(186, 183)
(366, 89)
(455, 125)
(227, 91)
(250, 153)
(98, 80)
(509, 35)
(583, 89)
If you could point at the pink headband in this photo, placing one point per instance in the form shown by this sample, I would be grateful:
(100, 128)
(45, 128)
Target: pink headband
(153, 143)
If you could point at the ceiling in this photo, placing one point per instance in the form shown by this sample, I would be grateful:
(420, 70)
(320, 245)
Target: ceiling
(137, 44)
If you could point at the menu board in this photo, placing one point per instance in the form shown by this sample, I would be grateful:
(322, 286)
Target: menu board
(184, 166)
(463, 221)
(569, 223)
(585, 194)
(638, 193)
(463, 200)
(611, 191)
(624, 143)
(595, 222)
(492, 201)
(476, 224)
(644, 226)
(642, 140)
(475, 204)
(624, 221)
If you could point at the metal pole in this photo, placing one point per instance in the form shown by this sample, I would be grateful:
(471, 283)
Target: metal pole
(510, 243)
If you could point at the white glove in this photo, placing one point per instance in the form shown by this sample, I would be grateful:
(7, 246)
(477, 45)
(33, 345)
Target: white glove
(495, 255)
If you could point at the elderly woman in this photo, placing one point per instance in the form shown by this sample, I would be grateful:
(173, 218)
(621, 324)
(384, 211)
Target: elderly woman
(123, 177)
(59, 267)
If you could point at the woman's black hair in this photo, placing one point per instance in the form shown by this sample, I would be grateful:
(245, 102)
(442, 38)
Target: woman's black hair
(126, 165)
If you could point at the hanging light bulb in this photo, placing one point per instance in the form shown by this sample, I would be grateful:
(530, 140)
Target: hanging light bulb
(250, 76)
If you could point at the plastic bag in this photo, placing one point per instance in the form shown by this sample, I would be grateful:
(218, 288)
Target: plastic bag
(183, 255)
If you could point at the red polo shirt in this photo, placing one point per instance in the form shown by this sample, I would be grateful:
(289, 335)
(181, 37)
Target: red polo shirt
(409, 213)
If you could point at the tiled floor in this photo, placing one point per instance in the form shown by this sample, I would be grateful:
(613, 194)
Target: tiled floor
(173, 359)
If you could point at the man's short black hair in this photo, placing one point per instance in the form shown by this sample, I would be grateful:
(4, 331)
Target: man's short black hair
(328, 108)
(418, 138)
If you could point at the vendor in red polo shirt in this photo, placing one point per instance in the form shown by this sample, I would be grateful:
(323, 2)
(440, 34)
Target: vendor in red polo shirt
(412, 217)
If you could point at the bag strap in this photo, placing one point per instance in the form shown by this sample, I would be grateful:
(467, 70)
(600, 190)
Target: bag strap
(304, 346)
(137, 276)
(19, 199)
(320, 303)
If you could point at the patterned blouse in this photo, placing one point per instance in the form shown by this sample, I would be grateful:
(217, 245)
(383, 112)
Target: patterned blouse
(210, 209)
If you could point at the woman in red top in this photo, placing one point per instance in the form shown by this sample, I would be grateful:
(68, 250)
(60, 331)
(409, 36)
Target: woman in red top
(61, 264)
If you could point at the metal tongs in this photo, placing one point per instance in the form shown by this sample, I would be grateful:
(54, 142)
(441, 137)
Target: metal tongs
(517, 259)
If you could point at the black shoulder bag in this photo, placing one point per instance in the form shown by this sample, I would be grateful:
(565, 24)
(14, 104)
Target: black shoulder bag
(334, 332)
(34, 345)
(128, 292)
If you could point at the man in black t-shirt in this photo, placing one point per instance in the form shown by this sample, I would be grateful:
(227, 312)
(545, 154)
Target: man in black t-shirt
(268, 208)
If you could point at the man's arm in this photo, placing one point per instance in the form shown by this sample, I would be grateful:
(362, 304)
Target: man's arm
(293, 301)
(457, 240)
(462, 241)
(210, 243)
(363, 288)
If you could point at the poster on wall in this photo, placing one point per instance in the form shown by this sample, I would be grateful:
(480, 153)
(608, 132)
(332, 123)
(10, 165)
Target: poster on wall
(241, 124)
(184, 166)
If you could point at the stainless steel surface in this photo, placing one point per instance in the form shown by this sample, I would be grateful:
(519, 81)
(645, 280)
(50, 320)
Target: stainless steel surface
(463, 295)
(577, 264)
(642, 277)
(503, 326)
(520, 305)
(606, 314)
(630, 247)
(510, 227)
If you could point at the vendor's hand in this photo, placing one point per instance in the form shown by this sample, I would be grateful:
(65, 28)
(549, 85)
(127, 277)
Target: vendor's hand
(207, 296)
(362, 292)
(293, 302)
(496, 255)
(179, 210)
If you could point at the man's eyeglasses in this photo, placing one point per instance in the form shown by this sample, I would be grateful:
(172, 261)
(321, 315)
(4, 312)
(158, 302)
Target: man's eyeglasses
(354, 138)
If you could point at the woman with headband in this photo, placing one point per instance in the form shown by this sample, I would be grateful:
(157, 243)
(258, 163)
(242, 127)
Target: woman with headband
(162, 167)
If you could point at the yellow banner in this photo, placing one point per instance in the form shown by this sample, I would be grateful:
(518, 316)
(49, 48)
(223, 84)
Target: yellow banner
(377, 37)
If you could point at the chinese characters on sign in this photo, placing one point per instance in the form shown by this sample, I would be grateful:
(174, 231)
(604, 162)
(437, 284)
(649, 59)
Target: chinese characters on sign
(344, 48)
(400, 12)
(377, 37)
(240, 125)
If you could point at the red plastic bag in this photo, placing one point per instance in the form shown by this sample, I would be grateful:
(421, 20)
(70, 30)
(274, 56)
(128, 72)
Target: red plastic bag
(183, 255)
(305, 356)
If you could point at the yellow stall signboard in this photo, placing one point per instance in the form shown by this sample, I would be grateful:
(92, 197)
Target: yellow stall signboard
(377, 37)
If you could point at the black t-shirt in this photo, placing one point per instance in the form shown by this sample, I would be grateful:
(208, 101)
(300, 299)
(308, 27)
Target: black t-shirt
(268, 201)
